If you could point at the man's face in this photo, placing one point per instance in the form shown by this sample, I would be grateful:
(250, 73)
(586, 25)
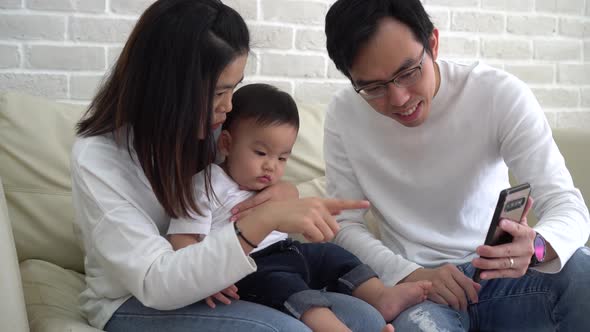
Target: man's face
(256, 155)
(393, 51)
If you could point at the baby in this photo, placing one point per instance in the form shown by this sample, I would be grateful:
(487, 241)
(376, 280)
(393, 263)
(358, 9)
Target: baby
(256, 141)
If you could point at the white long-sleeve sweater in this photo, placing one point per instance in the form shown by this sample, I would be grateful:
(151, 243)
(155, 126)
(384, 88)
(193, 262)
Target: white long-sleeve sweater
(120, 223)
(434, 187)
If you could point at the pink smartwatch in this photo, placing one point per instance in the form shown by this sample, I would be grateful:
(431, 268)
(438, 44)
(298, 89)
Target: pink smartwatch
(540, 250)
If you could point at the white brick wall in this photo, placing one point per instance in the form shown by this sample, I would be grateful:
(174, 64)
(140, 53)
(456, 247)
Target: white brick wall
(62, 48)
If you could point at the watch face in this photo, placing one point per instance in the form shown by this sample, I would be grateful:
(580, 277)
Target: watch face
(539, 248)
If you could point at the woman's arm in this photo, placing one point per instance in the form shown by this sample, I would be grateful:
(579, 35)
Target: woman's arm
(179, 241)
(312, 217)
(133, 253)
(126, 252)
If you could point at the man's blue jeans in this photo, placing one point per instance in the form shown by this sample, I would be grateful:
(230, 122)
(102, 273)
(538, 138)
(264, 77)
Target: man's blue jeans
(535, 302)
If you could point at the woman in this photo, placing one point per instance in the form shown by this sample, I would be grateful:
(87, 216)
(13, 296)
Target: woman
(147, 132)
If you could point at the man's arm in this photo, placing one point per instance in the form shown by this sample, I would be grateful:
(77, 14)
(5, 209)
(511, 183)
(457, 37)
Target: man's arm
(354, 234)
(528, 148)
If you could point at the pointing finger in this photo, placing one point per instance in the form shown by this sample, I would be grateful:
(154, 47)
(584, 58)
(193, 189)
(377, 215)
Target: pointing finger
(335, 206)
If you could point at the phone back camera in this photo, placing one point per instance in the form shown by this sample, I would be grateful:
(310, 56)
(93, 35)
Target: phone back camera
(515, 204)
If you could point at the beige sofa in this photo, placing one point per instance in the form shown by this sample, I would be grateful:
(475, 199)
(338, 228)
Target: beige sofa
(41, 264)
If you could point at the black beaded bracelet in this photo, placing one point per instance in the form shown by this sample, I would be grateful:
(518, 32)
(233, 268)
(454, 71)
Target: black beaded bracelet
(240, 234)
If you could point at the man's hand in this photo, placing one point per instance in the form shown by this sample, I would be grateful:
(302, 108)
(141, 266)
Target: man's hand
(449, 286)
(510, 260)
(231, 291)
(277, 192)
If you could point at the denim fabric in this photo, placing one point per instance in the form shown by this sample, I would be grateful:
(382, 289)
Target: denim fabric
(240, 315)
(350, 281)
(298, 303)
(430, 316)
(535, 302)
(355, 313)
(132, 316)
(290, 275)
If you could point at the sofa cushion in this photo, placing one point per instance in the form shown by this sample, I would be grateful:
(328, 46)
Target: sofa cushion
(36, 136)
(574, 145)
(12, 307)
(51, 294)
(307, 159)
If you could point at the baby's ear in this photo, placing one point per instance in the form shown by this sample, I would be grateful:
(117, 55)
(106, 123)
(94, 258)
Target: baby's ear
(224, 142)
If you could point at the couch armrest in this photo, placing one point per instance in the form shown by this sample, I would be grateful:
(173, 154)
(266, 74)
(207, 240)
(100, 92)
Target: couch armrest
(13, 315)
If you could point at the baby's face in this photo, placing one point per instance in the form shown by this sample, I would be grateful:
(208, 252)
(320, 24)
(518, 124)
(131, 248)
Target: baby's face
(257, 155)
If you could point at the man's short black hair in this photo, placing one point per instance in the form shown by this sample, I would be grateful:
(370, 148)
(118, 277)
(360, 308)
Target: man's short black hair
(263, 103)
(351, 23)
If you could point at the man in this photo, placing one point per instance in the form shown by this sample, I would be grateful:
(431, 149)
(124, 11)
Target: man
(429, 143)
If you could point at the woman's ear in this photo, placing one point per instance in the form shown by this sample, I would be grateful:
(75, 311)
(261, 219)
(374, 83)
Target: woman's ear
(224, 142)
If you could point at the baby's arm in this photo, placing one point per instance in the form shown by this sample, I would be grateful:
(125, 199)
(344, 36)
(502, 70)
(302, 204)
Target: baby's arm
(180, 241)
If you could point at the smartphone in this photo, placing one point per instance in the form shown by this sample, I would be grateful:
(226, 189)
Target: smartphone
(511, 205)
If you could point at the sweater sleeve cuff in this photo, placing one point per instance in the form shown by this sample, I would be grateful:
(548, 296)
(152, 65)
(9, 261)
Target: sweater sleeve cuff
(394, 279)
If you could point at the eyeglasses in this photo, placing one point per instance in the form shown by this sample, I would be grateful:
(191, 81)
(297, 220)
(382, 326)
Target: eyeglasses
(402, 80)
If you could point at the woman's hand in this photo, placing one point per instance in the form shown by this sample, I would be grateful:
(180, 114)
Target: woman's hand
(510, 260)
(231, 291)
(312, 217)
(279, 191)
(449, 286)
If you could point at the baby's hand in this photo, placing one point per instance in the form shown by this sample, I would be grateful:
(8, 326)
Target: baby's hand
(231, 291)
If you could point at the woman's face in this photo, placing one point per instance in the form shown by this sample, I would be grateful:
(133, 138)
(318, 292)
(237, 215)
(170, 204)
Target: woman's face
(230, 77)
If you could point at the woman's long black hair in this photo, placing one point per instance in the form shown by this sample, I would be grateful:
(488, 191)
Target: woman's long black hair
(161, 92)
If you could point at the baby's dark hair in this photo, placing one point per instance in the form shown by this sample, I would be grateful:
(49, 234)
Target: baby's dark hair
(263, 103)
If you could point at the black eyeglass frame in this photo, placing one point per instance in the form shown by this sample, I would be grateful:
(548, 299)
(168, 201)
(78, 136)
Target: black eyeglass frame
(394, 80)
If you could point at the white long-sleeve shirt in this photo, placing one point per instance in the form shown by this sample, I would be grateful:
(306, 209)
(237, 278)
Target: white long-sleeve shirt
(121, 225)
(434, 187)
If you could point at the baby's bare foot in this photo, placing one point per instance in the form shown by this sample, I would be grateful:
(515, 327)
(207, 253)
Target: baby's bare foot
(388, 328)
(398, 298)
